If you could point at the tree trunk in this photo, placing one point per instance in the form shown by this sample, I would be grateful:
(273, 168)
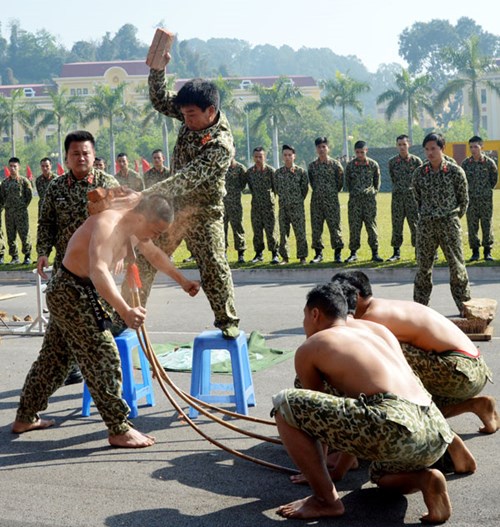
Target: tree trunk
(475, 108)
(410, 121)
(164, 131)
(276, 155)
(112, 143)
(59, 142)
(12, 138)
(345, 148)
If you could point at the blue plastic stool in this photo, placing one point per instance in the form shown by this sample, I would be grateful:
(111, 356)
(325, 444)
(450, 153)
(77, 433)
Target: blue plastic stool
(242, 387)
(131, 391)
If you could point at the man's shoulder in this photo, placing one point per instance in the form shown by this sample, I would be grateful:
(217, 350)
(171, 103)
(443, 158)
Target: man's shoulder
(372, 162)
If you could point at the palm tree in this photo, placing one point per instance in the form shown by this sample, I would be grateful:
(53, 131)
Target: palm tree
(472, 68)
(65, 111)
(274, 105)
(412, 92)
(342, 92)
(9, 109)
(108, 103)
(29, 117)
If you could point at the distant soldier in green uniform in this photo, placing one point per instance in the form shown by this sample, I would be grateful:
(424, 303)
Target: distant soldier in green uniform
(100, 164)
(158, 172)
(15, 196)
(482, 177)
(126, 176)
(292, 185)
(260, 179)
(441, 191)
(44, 180)
(233, 211)
(326, 177)
(403, 204)
(363, 183)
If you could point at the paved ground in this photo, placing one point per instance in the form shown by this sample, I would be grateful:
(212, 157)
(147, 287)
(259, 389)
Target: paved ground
(68, 477)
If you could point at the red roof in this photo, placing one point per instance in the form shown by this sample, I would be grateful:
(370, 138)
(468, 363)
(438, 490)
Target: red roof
(38, 89)
(98, 69)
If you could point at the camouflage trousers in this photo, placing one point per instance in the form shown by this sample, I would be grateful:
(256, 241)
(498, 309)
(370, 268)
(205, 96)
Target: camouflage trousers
(447, 234)
(2, 240)
(17, 222)
(450, 377)
(328, 211)
(393, 433)
(293, 216)
(233, 215)
(73, 335)
(362, 208)
(480, 211)
(403, 206)
(263, 219)
(204, 236)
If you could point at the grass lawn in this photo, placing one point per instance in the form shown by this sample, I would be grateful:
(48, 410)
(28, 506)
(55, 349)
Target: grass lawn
(364, 254)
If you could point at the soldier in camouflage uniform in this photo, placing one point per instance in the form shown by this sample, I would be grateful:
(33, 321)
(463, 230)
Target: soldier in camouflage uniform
(403, 204)
(441, 191)
(233, 211)
(362, 177)
(15, 196)
(44, 180)
(326, 177)
(291, 184)
(126, 176)
(100, 164)
(200, 161)
(158, 172)
(260, 179)
(482, 177)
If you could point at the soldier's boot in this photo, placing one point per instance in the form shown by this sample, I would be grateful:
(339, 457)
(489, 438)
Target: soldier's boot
(487, 254)
(241, 257)
(338, 256)
(276, 259)
(258, 258)
(74, 376)
(318, 258)
(475, 255)
(353, 257)
(376, 257)
(396, 256)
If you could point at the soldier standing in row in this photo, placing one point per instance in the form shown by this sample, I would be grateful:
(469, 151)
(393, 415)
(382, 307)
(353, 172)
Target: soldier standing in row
(326, 177)
(126, 176)
(441, 192)
(15, 196)
(482, 177)
(363, 184)
(260, 179)
(403, 204)
(44, 180)
(233, 211)
(291, 185)
(158, 172)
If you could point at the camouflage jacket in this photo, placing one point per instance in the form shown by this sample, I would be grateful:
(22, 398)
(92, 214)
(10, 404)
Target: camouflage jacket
(482, 175)
(235, 183)
(200, 159)
(440, 194)
(326, 179)
(132, 180)
(261, 184)
(401, 172)
(64, 209)
(362, 177)
(153, 176)
(15, 193)
(42, 183)
(291, 185)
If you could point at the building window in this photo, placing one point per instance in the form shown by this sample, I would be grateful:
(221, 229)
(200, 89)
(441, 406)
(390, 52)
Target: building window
(5, 139)
(484, 121)
(72, 92)
(483, 96)
(85, 91)
(78, 91)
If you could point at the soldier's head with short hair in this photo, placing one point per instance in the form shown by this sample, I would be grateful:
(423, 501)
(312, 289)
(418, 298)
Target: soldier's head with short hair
(199, 102)
(403, 144)
(158, 158)
(45, 166)
(475, 146)
(259, 156)
(433, 144)
(288, 155)
(360, 149)
(80, 152)
(122, 161)
(322, 147)
(14, 165)
(100, 163)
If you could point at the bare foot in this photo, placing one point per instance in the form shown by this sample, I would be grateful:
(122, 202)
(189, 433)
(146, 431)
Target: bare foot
(461, 456)
(486, 410)
(310, 508)
(433, 486)
(19, 427)
(131, 439)
(336, 472)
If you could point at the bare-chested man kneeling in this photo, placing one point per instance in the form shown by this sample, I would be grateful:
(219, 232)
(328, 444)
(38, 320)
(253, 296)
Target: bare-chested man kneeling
(78, 323)
(441, 354)
(383, 414)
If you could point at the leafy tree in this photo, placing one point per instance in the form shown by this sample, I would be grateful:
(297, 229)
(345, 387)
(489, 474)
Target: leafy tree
(126, 44)
(106, 49)
(343, 92)
(83, 51)
(9, 110)
(412, 92)
(275, 104)
(472, 68)
(29, 117)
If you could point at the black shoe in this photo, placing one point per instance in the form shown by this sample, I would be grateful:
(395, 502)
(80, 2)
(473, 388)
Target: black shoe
(14, 261)
(257, 258)
(338, 256)
(75, 376)
(353, 257)
(241, 257)
(27, 261)
(487, 255)
(318, 258)
(396, 256)
(376, 257)
(303, 261)
(275, 260)
(475, 255)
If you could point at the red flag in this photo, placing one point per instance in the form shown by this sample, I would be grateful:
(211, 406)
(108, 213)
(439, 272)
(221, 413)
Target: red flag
(6, 171)
(60, 169)
(136, 168)
(145, 165)
(117, 167)
(29, 174)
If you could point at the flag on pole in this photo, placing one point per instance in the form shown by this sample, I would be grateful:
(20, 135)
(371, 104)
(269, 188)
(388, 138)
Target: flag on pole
(6, 171)
(145, 165)
(29, 173)
(117, 167)
(60, 169)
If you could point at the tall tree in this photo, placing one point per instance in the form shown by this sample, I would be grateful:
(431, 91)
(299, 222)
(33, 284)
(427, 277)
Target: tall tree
(9, 110)
(412, 92)
(472, 69)
(343, 92)
(29, 117)
(275, 104)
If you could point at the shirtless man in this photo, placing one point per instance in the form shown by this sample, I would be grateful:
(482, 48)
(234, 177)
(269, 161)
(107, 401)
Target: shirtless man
(445, 359)
(380, 413)
(79, 325)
